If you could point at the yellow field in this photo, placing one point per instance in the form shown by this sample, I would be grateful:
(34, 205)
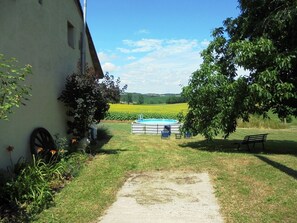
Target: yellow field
(160, 108)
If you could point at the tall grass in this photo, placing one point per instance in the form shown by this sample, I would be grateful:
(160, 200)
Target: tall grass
(271, 122)
(259, 122)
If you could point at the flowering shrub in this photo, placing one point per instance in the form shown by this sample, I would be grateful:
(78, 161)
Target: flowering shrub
(87, 99)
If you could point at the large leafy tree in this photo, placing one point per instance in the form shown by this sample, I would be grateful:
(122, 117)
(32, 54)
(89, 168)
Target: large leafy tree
(262, 40)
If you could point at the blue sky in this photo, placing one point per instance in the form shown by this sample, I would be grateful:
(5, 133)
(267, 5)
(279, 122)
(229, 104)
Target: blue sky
(154, 45)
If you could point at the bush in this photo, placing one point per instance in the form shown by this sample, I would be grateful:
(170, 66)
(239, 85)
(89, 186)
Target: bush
(33, 189)
(83, 97)
(87, 99)
(289, 119)
(73, 164)
(30, 190)
(259, 122)
(103, 133)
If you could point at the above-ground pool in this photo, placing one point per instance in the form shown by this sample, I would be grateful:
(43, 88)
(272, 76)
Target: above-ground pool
(155, 121)
(154, 126)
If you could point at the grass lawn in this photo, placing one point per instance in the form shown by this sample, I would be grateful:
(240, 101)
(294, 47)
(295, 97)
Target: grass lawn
(250, 187)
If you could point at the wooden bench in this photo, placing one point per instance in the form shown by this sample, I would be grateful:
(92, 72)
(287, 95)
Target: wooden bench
(253, 139)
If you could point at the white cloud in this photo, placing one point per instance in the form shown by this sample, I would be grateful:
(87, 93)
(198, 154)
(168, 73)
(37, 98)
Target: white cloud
(205, 43)
(160, 66)
(104, 57)
(142, 31)
(131, 58)
(166, 66)
(141, 46)
(156, 65)
(109, 67)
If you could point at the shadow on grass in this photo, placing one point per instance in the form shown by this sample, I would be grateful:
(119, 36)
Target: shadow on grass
(110, 151)
(289, 171)
(216, 145)
(103, 137)
(271, 147)
(230, 146)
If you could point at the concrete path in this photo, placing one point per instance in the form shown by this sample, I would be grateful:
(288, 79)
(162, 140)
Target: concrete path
(165, 197)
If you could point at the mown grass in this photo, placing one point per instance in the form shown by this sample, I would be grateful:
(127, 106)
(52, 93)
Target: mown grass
(251, 187)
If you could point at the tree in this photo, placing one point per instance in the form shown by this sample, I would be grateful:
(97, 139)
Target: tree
(13, 90)
(140, 99)
(87, 99)
(263, 41)
(129, 98)
(110, 88)
(175, 100)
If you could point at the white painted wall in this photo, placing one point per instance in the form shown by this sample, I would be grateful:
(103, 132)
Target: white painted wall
(36, 34)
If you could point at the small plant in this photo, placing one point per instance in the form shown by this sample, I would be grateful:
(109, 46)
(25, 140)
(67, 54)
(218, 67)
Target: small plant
(30, 190)
(62, 145)
(30, 187)
(73, 164)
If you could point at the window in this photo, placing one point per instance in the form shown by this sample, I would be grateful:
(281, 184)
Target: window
(70, 33)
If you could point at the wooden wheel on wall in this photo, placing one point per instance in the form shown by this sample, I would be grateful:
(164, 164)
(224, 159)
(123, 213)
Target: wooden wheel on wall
(42, 144)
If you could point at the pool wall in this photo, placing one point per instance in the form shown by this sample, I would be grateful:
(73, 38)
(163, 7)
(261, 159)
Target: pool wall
(157, 121)
(138, 128)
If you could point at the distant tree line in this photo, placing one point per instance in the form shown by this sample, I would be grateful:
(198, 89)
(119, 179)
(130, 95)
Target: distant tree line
(137, 98)
(176, 100)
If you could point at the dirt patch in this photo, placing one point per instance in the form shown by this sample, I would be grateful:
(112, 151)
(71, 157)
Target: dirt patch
(165, 197)
(158, 188)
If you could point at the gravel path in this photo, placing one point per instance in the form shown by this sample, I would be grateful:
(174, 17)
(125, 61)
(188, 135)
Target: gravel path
(165, 197)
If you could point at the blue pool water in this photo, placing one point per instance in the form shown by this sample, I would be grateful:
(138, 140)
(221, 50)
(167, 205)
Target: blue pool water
(155, 121)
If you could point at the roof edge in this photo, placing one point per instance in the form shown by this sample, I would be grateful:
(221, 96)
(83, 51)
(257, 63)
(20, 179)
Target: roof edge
(92, 49)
